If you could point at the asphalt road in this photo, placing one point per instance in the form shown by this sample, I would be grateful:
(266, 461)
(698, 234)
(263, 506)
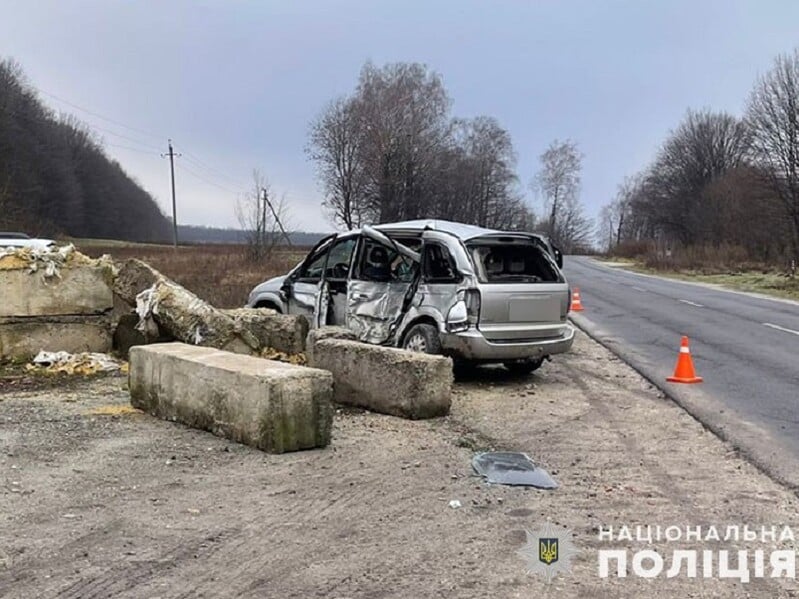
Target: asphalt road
(745, 347)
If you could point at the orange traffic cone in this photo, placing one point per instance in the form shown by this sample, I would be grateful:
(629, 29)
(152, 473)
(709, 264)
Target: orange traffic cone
(684, 370)
(576, 306)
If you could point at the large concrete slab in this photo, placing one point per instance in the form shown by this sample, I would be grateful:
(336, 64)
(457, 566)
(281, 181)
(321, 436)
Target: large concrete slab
(283, 332)
(274, 406)
(79, 289)
(24, 338)
(385, 379)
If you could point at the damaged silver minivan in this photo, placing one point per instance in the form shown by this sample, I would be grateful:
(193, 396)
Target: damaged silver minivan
(434, 286)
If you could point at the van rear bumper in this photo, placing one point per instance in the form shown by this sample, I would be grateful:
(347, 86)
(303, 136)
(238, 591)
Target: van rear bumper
(472, 345)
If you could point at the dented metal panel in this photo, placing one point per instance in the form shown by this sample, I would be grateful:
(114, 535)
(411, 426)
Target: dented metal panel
(372, 308)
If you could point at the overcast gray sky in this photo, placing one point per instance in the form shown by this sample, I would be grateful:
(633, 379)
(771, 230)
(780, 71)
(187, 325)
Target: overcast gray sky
(235, 84)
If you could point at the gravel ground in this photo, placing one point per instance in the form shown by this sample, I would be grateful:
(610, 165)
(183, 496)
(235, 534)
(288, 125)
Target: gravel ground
(101, 501)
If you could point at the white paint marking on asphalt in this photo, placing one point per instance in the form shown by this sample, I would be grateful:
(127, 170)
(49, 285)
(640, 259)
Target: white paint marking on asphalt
(639, 288)
(690, 303)
(779, 328)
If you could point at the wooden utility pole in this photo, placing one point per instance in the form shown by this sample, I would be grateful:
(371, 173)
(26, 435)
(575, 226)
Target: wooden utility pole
(172, 155)
(276, 217)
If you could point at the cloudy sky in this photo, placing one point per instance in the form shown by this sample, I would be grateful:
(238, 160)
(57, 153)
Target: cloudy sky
(235, 83)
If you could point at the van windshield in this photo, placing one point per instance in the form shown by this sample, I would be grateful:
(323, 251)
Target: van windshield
(516, 262)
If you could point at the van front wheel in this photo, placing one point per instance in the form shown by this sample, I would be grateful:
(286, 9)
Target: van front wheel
(524, 366)
(422, 338)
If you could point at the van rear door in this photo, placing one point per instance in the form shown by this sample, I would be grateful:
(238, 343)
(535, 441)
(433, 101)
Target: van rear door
(523, 294)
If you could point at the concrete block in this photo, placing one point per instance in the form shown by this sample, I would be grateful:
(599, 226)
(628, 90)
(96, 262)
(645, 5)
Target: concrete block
(274, 406)
(283, 332)
(317, 334)
(81, 289)
(24, 338)
(385, 379)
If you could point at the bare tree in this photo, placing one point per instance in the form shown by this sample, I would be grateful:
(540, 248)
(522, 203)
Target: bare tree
(703, 148)
(558, 180)
(335, 145)
(605, 227)
(263, 216)
(404, 110)
(773, 117)
(391, 151)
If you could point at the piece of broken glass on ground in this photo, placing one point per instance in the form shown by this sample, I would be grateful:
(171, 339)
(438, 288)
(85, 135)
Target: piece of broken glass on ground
(510, 468)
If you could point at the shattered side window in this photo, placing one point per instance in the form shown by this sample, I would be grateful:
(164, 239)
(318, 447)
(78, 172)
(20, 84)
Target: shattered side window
(381, 264)
(338, 264)
(313, 270)
(438, 265)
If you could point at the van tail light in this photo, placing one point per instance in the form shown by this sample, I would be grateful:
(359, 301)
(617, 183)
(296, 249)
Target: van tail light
(472, 299)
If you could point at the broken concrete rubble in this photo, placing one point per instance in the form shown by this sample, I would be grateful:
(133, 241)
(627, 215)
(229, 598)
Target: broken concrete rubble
(134, 276)
(168, 310)
(82, 289)
(22, 338)
(56, 300)
(189, 319)
(282, 332)
(273, 406)
(384, 379)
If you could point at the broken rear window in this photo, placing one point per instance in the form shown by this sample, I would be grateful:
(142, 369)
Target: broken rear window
(512, 261)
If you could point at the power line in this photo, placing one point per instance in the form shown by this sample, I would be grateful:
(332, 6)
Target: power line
(150, 148)
(95, 114)
(184, 168)
(48, 120)
(206, 167)
(191, 157)
(132, 149)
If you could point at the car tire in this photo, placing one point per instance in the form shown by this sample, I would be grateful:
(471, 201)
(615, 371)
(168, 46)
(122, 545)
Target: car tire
(524, 366)
(422, 338)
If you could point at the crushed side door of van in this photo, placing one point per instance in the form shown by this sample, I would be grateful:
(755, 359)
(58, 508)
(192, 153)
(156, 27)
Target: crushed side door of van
(383, 280)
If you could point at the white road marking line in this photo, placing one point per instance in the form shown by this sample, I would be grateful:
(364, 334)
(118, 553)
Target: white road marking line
(690, 303)
(639, 288)
(779, 328)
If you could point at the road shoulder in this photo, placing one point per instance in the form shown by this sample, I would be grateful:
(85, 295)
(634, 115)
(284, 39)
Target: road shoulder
(127, 505)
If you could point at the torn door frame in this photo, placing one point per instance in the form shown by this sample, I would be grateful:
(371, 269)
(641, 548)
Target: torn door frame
(382, 319)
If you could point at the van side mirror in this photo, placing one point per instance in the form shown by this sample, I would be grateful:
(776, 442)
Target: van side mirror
(558, 256)
(285, 288)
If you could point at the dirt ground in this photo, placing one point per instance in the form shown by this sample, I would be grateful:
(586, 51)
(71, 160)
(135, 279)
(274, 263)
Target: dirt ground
(101, 502)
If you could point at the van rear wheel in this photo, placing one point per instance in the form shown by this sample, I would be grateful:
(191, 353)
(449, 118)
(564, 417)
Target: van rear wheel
(422, 338)
(524, 366)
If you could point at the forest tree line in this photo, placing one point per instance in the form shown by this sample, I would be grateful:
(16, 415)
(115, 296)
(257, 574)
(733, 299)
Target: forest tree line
(719, 181)
(56, 179)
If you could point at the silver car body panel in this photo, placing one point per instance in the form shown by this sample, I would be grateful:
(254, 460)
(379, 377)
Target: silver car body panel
(374, 309)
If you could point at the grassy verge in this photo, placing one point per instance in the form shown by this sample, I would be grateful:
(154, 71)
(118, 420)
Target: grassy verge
(768, 283)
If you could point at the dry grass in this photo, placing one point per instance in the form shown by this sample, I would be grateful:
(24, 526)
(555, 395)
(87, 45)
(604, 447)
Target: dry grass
(220, 274)
(727, 265)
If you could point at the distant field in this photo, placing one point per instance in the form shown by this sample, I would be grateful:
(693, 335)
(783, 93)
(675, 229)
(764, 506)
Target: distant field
(220, 274)
(85, 244)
